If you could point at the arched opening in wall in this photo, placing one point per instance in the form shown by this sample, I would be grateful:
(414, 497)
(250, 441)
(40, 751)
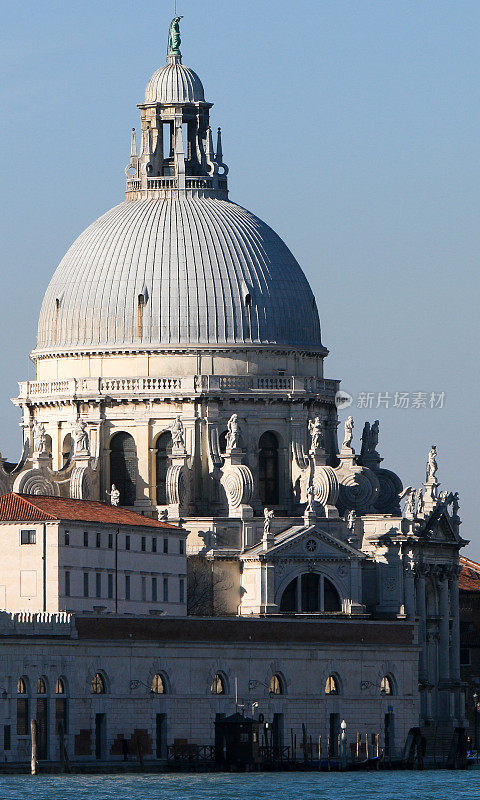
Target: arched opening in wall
(61, 712)
(219, 684)
(66, 448)
(332, 685)
(23, 722)
(158, 684)
(386, 685)
(124, 467)
(276, 685)
(98, 685)
(268, 469)
(310, 593)
(48, 444)
(162, 462)
(42, 719)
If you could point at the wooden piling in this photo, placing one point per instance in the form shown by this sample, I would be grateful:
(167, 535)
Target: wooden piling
(33, 734)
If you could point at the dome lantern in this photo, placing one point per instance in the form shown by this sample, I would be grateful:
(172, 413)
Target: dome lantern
(177, 157)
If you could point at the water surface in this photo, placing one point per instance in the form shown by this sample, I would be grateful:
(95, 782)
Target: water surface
(430, 785)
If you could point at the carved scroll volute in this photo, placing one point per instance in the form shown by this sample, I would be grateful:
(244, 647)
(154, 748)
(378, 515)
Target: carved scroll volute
(298, 445)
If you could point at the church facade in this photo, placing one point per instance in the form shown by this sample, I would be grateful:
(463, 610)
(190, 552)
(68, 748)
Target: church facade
(180, 375)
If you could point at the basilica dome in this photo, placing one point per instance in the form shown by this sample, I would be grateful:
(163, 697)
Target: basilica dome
(174, 83)
(178, 271)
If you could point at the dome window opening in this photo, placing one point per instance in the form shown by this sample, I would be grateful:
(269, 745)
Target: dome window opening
(248, 309)
(140, 309)
(55, 322)
(167, 148)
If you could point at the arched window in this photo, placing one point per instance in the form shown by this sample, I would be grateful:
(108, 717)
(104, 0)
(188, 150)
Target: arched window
(331, 685)
(98, 684)
(218, 684)
(61, 714)
(42, 719)
(66, 448)
(158, 684)
(310, 593)
(162, 461)
(48, 444)
(275, 685)
(124, 467)
(268, 469)
(22, 708)
(386, 685)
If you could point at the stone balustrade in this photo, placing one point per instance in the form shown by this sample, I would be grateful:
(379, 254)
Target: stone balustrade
(191, 385)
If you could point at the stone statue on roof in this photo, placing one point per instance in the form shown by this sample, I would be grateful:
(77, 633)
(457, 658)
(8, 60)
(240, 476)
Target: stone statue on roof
(174, 39)
(432, 464)
(347, 439)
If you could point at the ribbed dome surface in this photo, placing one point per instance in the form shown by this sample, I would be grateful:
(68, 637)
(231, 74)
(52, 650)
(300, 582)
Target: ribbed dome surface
(174, 83)
(210, 273)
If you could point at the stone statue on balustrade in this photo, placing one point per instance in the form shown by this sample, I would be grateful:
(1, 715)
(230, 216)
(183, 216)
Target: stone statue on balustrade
(267, 521)
(432, 465)
(315, 429)
(348, 436)
(233, 433)
(310, 508)
(80, 437)
(420, 502)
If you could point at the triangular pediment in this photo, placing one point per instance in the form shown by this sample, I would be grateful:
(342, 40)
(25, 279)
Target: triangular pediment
(306, 541)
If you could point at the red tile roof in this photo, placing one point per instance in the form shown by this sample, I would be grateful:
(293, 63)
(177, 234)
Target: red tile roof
(39, 508)
(469, 578)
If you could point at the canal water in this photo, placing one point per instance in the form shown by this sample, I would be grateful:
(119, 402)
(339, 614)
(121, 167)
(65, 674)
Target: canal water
(430, 785)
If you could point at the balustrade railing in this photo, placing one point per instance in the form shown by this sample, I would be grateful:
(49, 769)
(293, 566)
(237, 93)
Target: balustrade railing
(195, 384)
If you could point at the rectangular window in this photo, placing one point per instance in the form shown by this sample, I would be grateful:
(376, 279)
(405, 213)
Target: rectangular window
(110, 585)
(98, 541)
(154, 545)
(67, 584)
(182, 547)
(85, 584)
(98, 584)
(127, 587)
(85, 538)
(110, 541)
(154, 590)
(144, 544)
(144, 590)
(22, 717)
(67, 538)
(182, 590)
(165, 590)
(165, 545)
(7, 737)
(127, 542)
(465, 657)
(28, 537)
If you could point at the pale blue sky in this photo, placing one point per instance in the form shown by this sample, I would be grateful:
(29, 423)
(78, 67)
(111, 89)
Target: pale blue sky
(353, 128)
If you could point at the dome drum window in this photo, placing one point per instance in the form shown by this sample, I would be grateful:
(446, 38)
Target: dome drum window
(97, 685)
(218, 685)
(332, 685)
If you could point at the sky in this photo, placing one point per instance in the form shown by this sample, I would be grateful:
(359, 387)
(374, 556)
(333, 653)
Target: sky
(351, 127)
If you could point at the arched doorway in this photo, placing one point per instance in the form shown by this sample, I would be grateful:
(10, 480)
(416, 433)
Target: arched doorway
(268, 469)
(310, 593)
(162, 461)
(124, 467)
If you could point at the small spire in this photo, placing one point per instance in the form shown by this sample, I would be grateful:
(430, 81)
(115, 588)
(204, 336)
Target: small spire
(133, 148)
(219, 155)
(174, 55)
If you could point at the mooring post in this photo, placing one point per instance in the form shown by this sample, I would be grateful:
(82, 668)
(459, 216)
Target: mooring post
(33, 760)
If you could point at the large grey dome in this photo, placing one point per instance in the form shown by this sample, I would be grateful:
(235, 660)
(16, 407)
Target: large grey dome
(174, 83)
(198, 271)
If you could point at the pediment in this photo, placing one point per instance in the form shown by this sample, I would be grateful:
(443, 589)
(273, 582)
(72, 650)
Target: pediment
(308, 542)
